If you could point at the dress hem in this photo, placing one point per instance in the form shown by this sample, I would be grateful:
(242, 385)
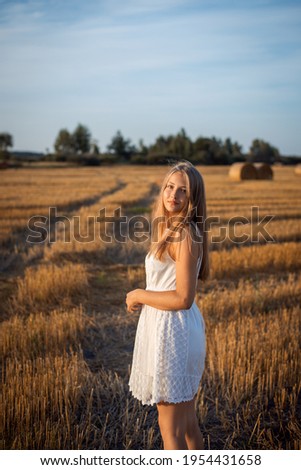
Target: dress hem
(149, 392)
(164, 399)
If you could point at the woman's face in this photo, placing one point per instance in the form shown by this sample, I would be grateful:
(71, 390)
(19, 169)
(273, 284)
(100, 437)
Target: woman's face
(174, 194)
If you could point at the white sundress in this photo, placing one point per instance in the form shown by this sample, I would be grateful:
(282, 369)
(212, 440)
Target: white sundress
(170, 345)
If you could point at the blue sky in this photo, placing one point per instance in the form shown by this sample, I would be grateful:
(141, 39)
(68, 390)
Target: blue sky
(150, 67)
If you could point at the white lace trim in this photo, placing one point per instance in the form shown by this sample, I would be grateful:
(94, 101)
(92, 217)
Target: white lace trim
(171, 389)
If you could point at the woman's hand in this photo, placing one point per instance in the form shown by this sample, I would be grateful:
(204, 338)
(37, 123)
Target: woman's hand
(132, 301)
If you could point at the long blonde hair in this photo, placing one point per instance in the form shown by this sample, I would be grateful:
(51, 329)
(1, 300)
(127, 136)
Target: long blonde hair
(194, 211)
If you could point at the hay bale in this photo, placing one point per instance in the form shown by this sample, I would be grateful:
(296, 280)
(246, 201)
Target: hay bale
(242, 171)
(264, 171)
(298, 169)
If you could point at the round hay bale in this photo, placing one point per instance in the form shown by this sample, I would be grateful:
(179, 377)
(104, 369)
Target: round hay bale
(298, 169)
(264, 171)
(242, 171)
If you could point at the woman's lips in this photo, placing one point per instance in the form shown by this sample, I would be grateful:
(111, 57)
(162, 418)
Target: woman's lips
(173, 203)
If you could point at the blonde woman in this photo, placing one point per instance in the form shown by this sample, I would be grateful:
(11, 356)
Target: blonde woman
(170, 343)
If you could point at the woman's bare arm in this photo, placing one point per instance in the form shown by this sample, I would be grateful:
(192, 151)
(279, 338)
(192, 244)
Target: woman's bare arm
(186, 252)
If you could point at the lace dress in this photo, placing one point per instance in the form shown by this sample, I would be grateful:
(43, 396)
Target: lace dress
(170, 345)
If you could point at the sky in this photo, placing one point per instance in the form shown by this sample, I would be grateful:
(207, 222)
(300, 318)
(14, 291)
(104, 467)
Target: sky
(151, 67)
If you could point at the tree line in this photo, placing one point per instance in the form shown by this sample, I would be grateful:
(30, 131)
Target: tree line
(203, 150)
(80, 147)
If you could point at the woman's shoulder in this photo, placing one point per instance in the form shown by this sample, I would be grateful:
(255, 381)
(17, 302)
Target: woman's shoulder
(191, 229)
(187, 240)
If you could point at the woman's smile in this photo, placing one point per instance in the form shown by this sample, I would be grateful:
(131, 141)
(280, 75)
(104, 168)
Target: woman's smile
(173, 203)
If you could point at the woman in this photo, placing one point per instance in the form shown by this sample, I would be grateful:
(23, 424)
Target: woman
(170, 344)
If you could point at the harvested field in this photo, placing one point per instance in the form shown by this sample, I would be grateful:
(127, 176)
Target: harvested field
(66, 339)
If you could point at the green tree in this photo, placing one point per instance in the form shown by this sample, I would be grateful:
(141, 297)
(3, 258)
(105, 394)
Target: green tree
(64, 142)
(181, 145)
(232, 151)
(232, 148)
(162, 145)
(203, 151)
(121, 147)
(142, 149)
(6, 140)
(262, 151)
(81, 139)
(159, 145)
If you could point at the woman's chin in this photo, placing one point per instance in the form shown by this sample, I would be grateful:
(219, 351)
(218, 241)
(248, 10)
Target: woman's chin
(172, 208)
(173, 213)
